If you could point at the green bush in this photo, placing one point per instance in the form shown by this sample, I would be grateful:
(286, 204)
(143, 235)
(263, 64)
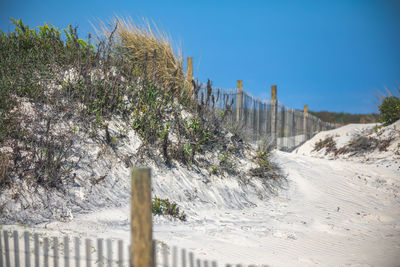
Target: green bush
(328, 143)
(90, 84)
(389, 110)
(165, 207)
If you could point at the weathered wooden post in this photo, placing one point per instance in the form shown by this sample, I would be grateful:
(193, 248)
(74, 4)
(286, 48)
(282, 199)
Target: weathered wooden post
(239, 101)
(282, 128)
(305, 117)
(274, 115)
(141, 219)
(189, 72)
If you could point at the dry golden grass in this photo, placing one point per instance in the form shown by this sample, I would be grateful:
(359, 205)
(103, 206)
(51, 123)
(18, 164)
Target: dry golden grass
(380, 95)
(150, 50)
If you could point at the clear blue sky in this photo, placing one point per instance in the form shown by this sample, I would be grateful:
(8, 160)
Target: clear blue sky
(331, 55)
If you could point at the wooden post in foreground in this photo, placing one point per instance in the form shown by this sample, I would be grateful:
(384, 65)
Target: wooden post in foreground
(274, 114)
(239, 100)
(305, 116)
(141, 219)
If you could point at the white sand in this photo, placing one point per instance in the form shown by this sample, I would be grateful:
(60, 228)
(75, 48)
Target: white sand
(330, 213)
(343, 135)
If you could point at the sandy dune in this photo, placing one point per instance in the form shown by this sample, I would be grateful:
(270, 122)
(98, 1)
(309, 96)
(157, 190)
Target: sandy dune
(329, 213)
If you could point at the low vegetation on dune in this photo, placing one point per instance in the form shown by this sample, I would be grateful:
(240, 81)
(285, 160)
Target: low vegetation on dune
(358, 145)
(57, 89)
(378, 139)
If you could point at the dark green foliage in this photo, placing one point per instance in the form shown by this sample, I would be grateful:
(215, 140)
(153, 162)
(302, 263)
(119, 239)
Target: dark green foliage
(389, 110)
(165, 207)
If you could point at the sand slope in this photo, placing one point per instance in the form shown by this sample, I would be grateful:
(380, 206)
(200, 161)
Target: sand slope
(330, 213)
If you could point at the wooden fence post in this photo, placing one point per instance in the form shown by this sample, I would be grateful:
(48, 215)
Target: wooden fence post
(239, 101)
(189, 73)
(141, 219)
(305, 117)
(274, 114)
(282, 128)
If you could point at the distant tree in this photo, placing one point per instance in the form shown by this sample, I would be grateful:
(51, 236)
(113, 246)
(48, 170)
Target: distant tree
(345, 118)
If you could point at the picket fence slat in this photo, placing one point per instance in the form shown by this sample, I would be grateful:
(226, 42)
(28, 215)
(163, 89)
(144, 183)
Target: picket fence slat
(66, 251)
(16, 249)
(100, 257)
(191, 259)
(6, 248)
(88, 263)
(46, 251)
(1, 252)
(120, 253)
(27, 250)
(109, 253)
(55, 251)
(174, 257)
(183, 251)
(36, 248)
(154, 249)
(77, 252)
(214, 264)
(198, 261)
(165, 256)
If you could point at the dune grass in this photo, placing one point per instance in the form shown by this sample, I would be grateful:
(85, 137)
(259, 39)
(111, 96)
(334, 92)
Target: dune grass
(149, 50)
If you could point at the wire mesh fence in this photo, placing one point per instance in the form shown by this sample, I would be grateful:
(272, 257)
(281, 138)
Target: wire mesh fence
(259, 119)
(35, 249)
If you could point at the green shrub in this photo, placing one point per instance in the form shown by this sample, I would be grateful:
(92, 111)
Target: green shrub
(389, 110)
(328, 143)
(165, 207)
(264, 165)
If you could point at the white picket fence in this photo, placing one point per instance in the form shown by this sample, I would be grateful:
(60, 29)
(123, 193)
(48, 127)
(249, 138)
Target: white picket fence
(38, 250)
